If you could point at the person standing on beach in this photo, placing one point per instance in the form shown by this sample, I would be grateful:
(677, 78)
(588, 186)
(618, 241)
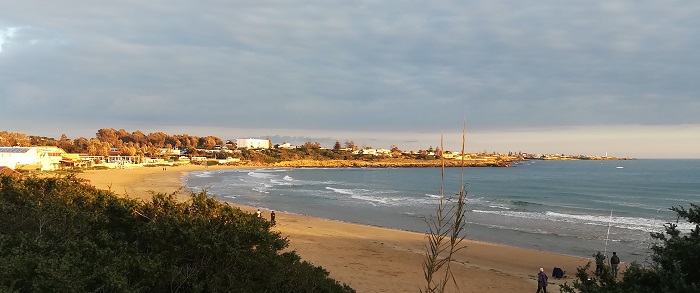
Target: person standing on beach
(599, 263)
(541, 281)
(258, 213)
(272, 217)
(614, 261)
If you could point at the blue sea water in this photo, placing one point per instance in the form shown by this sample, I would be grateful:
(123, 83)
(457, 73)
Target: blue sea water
(566, 207)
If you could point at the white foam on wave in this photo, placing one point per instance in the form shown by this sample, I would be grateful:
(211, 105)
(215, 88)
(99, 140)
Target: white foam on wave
(631, 223)
(281, 182)
(379, 197)
(202, 174)
(527, 230)
(341, 190)
(260, 189)
(288, 178)
(499, 206)
(260, 175)
(373, 199)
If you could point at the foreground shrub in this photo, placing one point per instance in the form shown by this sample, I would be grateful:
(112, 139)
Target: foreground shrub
(60, 235)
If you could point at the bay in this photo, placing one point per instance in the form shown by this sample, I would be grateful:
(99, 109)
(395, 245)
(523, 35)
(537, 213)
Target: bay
(565, 207)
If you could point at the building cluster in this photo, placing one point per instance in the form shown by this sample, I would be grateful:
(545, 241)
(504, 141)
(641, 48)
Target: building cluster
(50, 158)
(47, 158)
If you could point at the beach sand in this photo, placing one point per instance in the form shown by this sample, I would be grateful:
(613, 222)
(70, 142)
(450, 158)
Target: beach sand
(369, 259)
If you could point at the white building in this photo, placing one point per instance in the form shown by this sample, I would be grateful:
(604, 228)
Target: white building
(252, 143)
(13, 156)
(287, 146)
(41, 157)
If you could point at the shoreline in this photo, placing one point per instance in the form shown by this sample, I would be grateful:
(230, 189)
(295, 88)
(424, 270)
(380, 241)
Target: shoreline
(368, 258)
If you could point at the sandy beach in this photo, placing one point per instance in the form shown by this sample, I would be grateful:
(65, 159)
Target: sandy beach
(369, 259)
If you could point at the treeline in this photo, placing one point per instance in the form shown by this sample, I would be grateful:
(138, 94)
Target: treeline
(139, 144)
(60, 235)
(129, 144)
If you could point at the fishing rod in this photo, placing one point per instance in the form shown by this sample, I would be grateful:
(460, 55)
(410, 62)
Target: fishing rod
(646, 257)
(608, 237)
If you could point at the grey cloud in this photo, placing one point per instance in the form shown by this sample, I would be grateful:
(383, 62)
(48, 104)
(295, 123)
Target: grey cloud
(353, 65)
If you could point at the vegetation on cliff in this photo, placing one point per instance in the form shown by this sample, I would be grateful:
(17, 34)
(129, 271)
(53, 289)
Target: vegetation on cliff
(60, 235)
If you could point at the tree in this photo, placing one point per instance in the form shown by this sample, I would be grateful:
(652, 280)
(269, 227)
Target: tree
(139, 138)
(350, 144)
(311, 145)
(395, 151)
(14, 139)
(66, 144)
(336, 146)
(96, 147)
(674, 266)
(157, 139)
(107, 135)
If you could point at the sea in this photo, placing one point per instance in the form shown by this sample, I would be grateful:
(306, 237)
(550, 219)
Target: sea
(566, 207)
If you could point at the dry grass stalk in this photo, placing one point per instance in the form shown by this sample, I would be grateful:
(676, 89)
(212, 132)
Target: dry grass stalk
(446, 233)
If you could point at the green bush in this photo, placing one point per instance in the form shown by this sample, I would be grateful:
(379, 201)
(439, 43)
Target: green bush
(60, 235)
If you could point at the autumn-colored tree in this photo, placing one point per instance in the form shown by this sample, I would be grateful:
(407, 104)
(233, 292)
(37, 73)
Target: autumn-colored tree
(139, 138)
(14, 139)
(209, 142)
(81, 144)
(127, 150)
(97, 148)
(107, 135)
(395, 151)
(311, 145)
(157, 139)
(350, 144)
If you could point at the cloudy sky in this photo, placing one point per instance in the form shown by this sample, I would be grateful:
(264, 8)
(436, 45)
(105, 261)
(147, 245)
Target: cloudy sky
(549, 76)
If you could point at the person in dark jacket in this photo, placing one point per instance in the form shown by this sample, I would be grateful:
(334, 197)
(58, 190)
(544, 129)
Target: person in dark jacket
(614, 261)
(599, 263)
(541, 281)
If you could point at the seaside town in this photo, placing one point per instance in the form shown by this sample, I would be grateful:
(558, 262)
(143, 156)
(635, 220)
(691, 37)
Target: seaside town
(118, 149)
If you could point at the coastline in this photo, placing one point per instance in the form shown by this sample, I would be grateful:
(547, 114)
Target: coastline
(368, 258)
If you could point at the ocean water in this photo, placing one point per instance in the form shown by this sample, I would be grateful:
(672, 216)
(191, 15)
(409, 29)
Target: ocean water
(566, 207)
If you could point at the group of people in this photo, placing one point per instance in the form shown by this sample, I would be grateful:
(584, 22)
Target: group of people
(272, 216)
(599, 265)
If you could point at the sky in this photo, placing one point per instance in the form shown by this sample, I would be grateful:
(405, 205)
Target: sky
(573, 77)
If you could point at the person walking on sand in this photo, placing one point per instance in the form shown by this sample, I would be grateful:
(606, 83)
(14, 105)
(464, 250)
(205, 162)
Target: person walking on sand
(272, 217)
(614, 261)
(541, 282)
(258, 213)
(599, 263)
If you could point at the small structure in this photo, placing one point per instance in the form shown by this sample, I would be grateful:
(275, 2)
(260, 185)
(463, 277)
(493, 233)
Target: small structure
(252, 143)
(7, 171)
(287, 146)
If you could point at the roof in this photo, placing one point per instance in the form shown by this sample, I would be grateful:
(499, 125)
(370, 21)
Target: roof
(4, 170)
(13, 150)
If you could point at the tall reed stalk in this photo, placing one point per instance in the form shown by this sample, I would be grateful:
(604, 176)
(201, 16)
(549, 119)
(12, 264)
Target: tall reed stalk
(446, 232)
